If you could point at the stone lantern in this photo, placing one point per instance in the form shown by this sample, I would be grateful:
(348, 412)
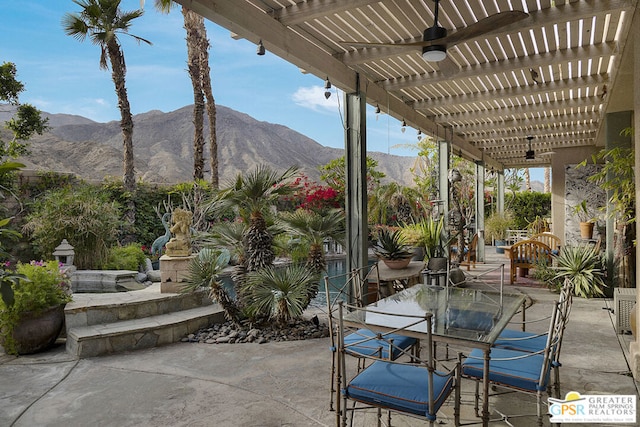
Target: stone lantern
(64, 253)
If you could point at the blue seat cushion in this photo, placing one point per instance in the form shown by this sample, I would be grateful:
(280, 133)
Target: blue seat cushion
(520, 373)
(376, 347)
(521, 341)
(399, 387)
(469, 319)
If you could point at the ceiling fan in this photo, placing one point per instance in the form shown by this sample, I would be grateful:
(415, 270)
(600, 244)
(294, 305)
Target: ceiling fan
(435, 39)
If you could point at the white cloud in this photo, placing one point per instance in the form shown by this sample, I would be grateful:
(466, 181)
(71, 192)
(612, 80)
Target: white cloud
(314, 99)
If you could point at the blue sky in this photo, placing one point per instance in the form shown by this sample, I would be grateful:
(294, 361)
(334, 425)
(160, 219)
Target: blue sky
(61, 75)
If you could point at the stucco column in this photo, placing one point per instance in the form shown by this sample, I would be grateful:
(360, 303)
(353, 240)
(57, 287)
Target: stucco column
(480, 176)
(356, 180)
(634, 37)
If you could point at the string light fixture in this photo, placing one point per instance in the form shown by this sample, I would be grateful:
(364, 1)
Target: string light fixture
(403, 126)
(327, 88)
(419, 135)
(260, 50)
(530, 154)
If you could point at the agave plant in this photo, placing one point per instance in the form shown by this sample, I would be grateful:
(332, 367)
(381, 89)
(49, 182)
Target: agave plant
(391, 245)
(278, 293)
(581, 266)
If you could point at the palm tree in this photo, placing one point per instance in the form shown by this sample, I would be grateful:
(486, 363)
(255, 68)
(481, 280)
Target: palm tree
(252, 194)
(200, 73)
(102, 21)
(315, 227)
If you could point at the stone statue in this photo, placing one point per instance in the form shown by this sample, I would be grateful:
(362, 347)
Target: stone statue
(180, 245)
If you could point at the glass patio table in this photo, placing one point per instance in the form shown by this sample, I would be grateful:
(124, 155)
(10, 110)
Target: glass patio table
(468, 317)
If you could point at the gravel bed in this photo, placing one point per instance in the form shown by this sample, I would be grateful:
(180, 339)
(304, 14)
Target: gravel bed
(229, 333)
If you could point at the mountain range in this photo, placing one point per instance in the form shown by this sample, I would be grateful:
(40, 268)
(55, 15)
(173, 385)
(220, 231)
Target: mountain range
(163, 150)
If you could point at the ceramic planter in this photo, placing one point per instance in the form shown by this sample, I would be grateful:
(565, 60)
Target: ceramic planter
(38, 331)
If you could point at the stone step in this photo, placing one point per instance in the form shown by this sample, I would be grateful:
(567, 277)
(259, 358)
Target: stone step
(126, 335)
(95, 309)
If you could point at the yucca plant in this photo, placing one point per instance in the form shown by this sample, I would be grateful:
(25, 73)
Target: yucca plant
(581, 265)
(278, 293)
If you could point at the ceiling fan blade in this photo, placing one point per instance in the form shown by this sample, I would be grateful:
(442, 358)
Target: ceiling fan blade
(483, 26)
(447, 67)
(399, 44)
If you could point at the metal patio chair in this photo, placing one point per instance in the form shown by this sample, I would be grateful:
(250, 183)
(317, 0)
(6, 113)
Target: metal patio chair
(410, 385)
(521, 371)
(358, 286)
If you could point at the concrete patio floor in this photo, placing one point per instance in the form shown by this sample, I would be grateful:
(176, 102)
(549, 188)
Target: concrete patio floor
(272, 384)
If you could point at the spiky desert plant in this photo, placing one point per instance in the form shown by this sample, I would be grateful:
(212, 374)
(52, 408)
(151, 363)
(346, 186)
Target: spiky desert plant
(203, 272)
(581, 266)
(391, 245)
(278, 293)
(252, 195)
(313, 227)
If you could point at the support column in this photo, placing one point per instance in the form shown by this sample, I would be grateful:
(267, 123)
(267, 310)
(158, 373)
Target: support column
(480, 177)
(443, 177)
(500, 195)
(635, 34)
(356, 180)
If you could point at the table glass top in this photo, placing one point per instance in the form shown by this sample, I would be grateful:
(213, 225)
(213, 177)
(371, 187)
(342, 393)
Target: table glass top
(467, 314)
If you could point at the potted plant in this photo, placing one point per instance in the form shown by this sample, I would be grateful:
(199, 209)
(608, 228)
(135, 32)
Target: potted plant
(32, 312)
(586, 220)
(496, 226)
(392, 249)
(581, 265)
(428, 235)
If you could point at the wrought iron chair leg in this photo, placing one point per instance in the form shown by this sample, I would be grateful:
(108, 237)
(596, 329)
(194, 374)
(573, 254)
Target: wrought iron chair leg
(477, 398)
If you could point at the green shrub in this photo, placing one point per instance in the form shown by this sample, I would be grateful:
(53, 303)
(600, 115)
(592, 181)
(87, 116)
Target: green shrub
(128, 257)
(87, 218)
(36, 286)
(527, 206)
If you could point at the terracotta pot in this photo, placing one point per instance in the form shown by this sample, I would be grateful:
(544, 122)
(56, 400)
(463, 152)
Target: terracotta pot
(586, 230)
(397, 264)
(38, 331)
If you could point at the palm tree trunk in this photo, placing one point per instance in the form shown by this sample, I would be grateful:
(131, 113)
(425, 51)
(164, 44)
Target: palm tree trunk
(118, 71)
(527, 179)
(547, 179)
(203, 48)
(191, 25)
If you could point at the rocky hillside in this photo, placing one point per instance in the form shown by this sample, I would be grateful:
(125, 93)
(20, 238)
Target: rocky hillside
(163, 151)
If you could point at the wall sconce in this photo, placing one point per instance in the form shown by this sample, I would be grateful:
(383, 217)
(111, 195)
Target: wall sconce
(403, 126)
(260, 50)
(327, 87)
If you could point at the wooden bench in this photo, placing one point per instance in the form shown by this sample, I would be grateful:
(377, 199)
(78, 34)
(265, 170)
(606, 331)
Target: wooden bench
(526, 254)
(550, 240)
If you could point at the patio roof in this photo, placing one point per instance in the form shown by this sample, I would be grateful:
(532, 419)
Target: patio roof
(551, 75)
